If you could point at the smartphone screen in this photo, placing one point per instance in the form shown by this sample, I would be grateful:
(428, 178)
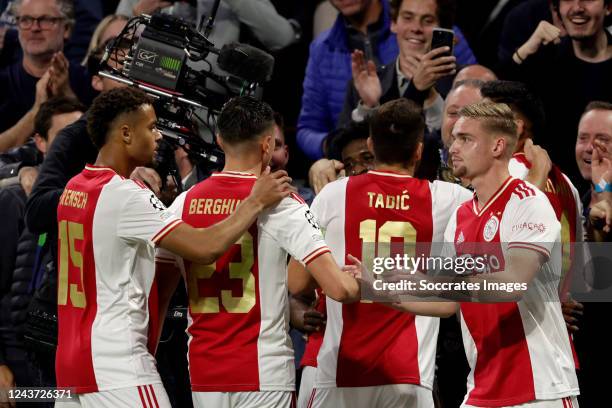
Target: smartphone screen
(443, 37)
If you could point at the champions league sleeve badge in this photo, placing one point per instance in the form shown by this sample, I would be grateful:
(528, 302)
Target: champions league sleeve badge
(158, 205)
(312, 220)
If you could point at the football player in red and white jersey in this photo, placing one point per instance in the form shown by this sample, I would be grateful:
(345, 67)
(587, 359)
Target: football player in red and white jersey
(109, 226)
(372, 355)
(562, 194)
(519, 352)
(240, 353)
(557, 187)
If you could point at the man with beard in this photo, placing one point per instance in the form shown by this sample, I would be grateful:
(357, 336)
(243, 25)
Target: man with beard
(505, 336)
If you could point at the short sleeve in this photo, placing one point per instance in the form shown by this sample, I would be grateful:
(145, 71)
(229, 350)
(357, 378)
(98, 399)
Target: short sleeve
(293, 225)
(530, 223)
(449, 232)
(176, 208)
(447, 249)
(447, 197)
(329, 202)
(144, 217)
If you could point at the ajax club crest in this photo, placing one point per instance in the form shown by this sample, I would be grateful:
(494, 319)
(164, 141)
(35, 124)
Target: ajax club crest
(490, 228)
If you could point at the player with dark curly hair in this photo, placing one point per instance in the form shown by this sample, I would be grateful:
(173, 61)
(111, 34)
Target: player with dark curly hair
(109, 227)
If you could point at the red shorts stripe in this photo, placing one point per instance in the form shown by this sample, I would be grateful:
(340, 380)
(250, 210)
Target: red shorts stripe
(153, 395)
(148, 397)
(142, 398)
(312, 395)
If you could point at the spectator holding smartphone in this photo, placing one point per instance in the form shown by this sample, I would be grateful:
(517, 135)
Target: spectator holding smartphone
(417, 70)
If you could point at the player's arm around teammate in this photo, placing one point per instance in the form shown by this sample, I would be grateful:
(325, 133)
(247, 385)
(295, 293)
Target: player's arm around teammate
(205, 245)
(325, 273)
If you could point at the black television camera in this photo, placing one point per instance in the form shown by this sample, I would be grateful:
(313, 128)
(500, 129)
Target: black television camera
(152, 53)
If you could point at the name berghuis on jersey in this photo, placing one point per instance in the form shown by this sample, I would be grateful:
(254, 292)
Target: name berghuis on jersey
(215, 206)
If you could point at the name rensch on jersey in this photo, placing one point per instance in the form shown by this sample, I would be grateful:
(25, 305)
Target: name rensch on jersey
(75, 199)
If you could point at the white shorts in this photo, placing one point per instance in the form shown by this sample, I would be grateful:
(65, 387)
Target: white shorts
(143, 396)
(306, 386)
(247, 399)
(567, 402)
(380, 396)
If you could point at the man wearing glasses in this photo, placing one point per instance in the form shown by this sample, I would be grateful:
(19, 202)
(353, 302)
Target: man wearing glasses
(42, 72)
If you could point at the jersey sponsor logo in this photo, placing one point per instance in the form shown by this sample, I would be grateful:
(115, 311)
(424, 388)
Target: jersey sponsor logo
(312, 220)
(531, 226)
(490, 228)
(158, 205)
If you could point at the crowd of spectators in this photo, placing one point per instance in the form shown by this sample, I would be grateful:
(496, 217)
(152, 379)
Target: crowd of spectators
(336, 62)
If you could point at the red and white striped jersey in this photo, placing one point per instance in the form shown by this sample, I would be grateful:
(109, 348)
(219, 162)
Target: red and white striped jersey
(238, 306)
(568, 209)
(368, 344)
(517, 351)
(108, 228)
(566, 202)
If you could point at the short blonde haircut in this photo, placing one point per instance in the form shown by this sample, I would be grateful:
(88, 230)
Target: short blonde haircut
(494, 118)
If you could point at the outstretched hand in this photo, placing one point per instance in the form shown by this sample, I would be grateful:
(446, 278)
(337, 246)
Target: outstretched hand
(356, 270)
(365, 79)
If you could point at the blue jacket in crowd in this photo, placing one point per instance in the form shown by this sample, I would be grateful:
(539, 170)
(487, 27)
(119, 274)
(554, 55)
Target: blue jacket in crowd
(329, 71)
